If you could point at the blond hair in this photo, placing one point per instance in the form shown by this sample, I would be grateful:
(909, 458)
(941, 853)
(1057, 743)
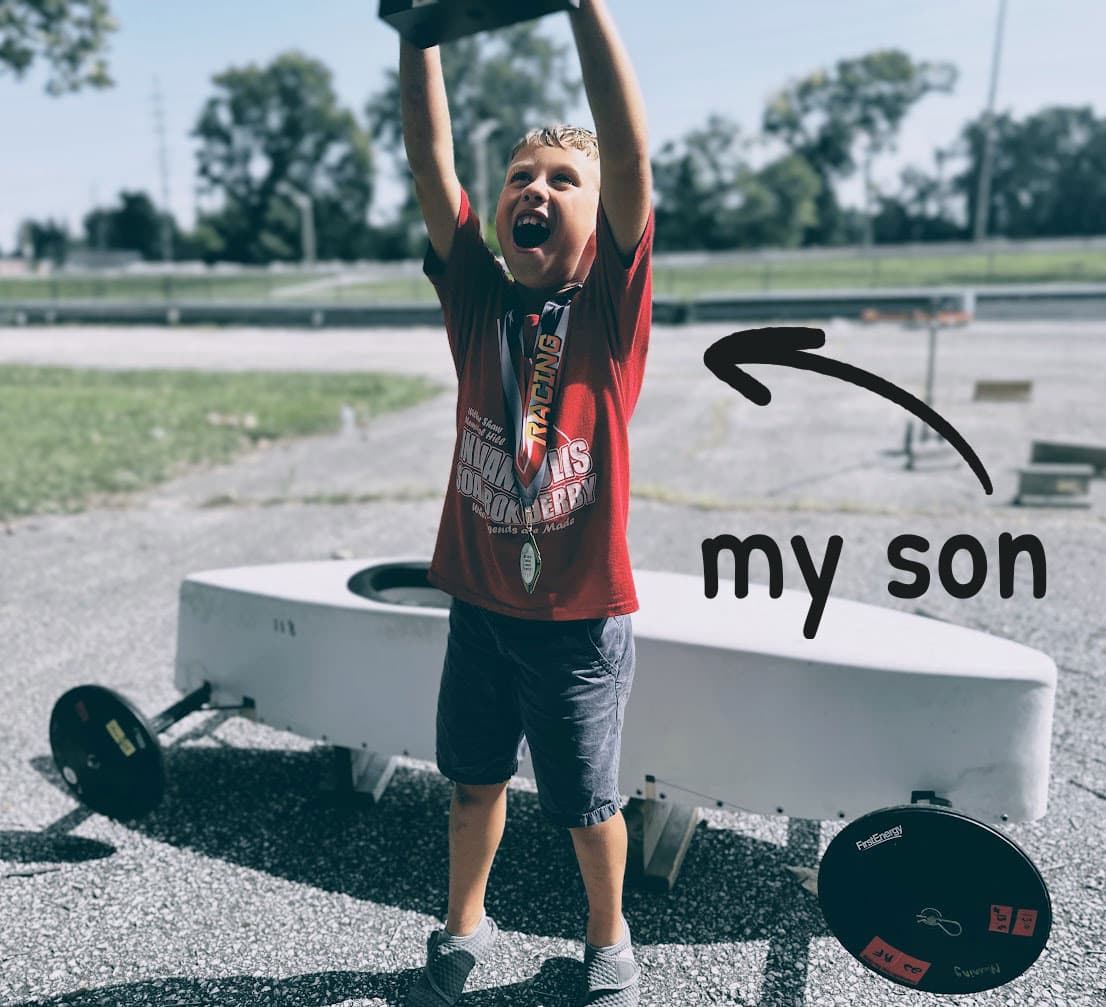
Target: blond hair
(560, 136)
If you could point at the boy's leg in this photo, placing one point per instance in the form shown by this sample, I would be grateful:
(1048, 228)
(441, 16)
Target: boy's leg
(573, 703)
(601, 853)
(452, 954)
(612, 977)
(478, 734)
(476, 818)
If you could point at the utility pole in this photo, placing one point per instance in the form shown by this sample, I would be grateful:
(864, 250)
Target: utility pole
(163, 165)
(986, 165)
(480, 155)
(27, 245)
(868, 198)
(307, 219)
(939, 156)
(100, 238)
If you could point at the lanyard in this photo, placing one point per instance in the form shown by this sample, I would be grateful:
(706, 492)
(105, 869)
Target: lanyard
(530, 410)
(531, 407)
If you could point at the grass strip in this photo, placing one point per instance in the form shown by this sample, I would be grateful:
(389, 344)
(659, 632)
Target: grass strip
(70, 436)
(880, 269)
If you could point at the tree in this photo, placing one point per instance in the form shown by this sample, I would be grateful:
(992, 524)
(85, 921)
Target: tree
(917, 212)
(1049, 173)
(272, 129)
(69, 35)
(697, 181)
(780, 203)
(708, 196)
(516, 78)
(832, 118)
(47, 239)
(135, 225)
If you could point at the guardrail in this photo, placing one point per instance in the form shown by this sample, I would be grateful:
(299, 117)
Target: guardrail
(795, 305)
(913, 249)
(255, 313)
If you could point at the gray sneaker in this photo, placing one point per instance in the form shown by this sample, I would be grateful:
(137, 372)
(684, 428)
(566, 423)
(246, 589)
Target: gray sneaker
(449, 960)
(611, 975)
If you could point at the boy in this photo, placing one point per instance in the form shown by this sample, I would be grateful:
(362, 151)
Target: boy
(532, 541)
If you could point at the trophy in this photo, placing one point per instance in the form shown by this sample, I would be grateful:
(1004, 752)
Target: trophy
(428, 22)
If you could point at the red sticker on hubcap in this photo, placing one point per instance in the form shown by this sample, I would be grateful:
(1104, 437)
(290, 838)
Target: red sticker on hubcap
(881, 955)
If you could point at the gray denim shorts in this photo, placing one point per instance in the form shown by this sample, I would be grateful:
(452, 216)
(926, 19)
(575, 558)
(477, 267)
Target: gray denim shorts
(561, 685)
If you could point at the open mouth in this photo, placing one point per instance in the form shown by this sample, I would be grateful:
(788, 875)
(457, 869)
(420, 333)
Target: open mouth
(530, 231)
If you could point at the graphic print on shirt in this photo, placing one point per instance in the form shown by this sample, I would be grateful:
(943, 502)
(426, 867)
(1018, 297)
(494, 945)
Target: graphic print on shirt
(485, 475)
(530, 472)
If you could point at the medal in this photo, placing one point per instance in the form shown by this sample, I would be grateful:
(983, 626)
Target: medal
(529, 562)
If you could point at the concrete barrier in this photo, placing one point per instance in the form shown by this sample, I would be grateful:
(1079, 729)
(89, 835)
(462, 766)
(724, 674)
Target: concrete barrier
(1002, 391)
(1070, 453)
(1054, 485)
(259, 313)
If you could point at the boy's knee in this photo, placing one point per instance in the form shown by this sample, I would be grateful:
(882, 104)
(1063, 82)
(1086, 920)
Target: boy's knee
(482, 793)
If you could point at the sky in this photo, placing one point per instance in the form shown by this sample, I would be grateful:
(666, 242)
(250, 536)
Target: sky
(61, 156)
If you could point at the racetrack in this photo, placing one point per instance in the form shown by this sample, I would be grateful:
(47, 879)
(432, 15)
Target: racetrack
(246, 888)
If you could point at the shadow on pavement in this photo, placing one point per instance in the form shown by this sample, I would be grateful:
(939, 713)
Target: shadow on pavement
(263, 809)
(556, 985)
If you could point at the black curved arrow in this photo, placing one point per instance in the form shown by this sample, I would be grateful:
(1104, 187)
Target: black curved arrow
(785, 345)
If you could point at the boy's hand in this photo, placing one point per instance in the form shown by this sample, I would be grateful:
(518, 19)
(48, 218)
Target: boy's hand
(428, 140)
(626, 180)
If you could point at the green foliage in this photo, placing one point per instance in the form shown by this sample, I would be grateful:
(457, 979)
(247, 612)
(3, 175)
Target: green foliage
(1049, 173)
(68, 35)
(919, 211)
(781, 203)
(1048, 180)
(698, 181)
(134, 225)
(831, 117)
(48, 240)
(516, 77)
(824, 115)
(708, 196)
(266, 128)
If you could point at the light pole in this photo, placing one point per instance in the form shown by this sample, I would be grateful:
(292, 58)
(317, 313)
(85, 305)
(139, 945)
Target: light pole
(163, 167)
(480, 155)
(939, 156)
(307, 220)
(868, 198)
(27, 245)
(986, 165)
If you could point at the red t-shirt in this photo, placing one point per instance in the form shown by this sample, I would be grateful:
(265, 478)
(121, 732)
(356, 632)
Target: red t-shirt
(581, 524)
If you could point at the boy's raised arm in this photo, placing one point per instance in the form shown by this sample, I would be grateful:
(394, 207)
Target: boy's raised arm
(626, 181)
(429, 143)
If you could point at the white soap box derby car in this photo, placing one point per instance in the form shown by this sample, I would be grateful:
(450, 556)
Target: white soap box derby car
(926, 721)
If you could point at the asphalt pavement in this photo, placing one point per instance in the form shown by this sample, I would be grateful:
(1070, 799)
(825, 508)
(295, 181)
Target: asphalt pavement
(249, 886)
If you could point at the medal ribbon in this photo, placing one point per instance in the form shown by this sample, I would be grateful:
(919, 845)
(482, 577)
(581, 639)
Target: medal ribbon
(531, 415)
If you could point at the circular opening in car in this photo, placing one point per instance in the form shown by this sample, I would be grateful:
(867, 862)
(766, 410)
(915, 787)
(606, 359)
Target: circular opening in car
(398, 584)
